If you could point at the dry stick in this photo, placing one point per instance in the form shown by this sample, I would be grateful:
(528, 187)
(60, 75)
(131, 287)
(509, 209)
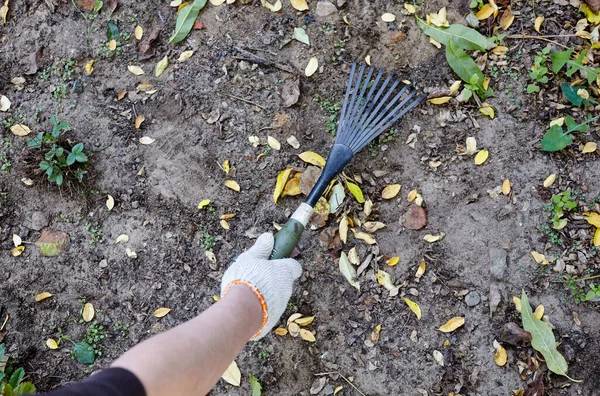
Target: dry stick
(341, 375)
(246, 101)
(543, 38)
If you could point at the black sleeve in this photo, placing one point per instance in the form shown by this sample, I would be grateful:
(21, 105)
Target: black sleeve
(114, 381)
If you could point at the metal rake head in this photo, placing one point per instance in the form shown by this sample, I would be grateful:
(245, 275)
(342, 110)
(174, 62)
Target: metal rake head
(372, 105)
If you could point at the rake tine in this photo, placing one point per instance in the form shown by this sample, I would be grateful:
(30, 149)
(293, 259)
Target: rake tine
(354, 92)
(347, 95)
(360, 96)
(366, 101)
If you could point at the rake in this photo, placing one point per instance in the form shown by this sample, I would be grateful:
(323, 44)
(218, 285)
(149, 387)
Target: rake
(371, 105)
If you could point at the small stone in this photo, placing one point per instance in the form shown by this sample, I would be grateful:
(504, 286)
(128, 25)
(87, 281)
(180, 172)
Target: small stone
(499, 265)
(135, 205)
(103, 263)
(472, 299)
(326, 12)
(38, 221)
(328, 390)
(317, 385)
(494, 298)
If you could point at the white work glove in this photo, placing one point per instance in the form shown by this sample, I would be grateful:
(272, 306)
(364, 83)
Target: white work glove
(270, 280)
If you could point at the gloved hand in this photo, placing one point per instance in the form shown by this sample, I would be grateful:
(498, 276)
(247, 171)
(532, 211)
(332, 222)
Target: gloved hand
(270, 280)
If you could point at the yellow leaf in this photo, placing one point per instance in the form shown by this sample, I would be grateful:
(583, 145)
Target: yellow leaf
(299, 5)
(421, 270)
(589, 147)
(204, 203)
(88, 312)
(384, 279)
(17, 251)
(216, 298)
(596, 240)
(365, 237)
(435, 42)
(161, 66)
(561, 224)
(500, 50)
(274, 143)
(232, 374)
(182, 5)
(583, 93)
(439, 19)
(292, 187)
(4, 11)
(160, 312)
(138, 121)
(20, 130)
(452, 324)
(593, 218)
(559, 121)
(112, 45)
(372, 226)
(138, 32)
(272, 7)
(307, 335)
(434, 238)
(339, 388)
(440, 100)
(487, 110)
(280, 185)
(539, 312)
(110, 202)
(538, 23)
(506, 187)
(486, 84)
(393, 261)
(185, 55)
(481, 157)
(224, 224)
(305, 321)
(375, 334)
(517, 302)
(312, 158)
(353, 256)
(280, 331)
(413, 307)
(388, 17)
(89, 67)
(226, 167)
(355, 191)
(146, 140)
(122, 238)
(549, 180)
(344, 229)
(539, 258)
(311, 67)
(227, 216)
(507, 18)
(455, 87)
(593, 18)
(210, 255)
(390, 191)
(135, 70)
(42, 296)
(485, 12)
(500, 357)
(410, 8)
(51, 343)
(233, 185)
(368, 60)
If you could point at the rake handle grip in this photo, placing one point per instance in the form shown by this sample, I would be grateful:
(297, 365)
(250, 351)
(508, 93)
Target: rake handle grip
(286, 239)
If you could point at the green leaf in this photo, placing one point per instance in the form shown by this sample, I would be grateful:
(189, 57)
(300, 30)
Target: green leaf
(36, 142)
(70, 159)
(542, 339)
(84, 353)
(26, 388)
(7, 390)
(185, 20)
(17, 377)
(255, 385)
(560, 58)
(570, 93)
(1, 351)
(112, 31)
(80, 157)
(78, 148)
(59, 179)
(300, 35)
(44, 165)
(464, 37)
(555, 139)
(1, 377)
(462, 64)
(356, 191)
(531, 88)
(98, 6)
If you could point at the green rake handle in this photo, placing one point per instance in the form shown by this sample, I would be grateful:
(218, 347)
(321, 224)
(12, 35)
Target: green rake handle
(286, 239)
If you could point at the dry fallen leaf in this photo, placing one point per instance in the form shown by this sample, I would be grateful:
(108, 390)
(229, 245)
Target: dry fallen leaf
(421, 270)
(4, 103)
(589, 147)
(415, 217)
(274, 143)
(393, 261)
(539, 258)
(372, 226)
(364, 237)
(390, 191)
(161, 66)
(160, 312)
(130, 253)
(17, 251)
(348, 270)
(292, 141)
(20, 130)
(305, 321)
(88, 312)
(138, 121)
(299, 5)
(110, 202)
(388, 17)
(42, 296)
(282, 179)
(376, 334)
(112, 45)
(506, 187)
(312, 158)
(487, 11)
(411, 9)
(500, 357)
(204, 203)
(185, 55)
(294, 329)
(452, 324)
(227, 216)
(517, 302)
(549, 180)
(471, 145)
(307, 335)
(224, 224)
(440, 100)
(51, 343)
(232, 374)
(16, 240)
(434, 238)
(232, 184)
(385, 280)
(539, 312)
(122, 238)
(413, 306)
(89, 67)
(311, 67)
(344, 228)
(210, 255)
(438, 357)
(538, 23)
(280, 331)
(138, 32)
(146, 140)
(135, 70)
(507, 18)
(368, 60)
(455, 87)
(272, 7)
(481, 157)
(4, 12)
(596, 240)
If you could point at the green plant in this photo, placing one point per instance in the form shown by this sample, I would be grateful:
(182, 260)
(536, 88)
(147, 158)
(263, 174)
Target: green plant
(339, 50)
(562, 58)
(579, 294)
(94, 337)
(556, 139)
(539, 72)
(59, 160)
(11, 381)
(560, 204)
(333, 111)
(576, 95)
(476, 4)
(208, 241)
(265, 354)
(552, 235)
(121, 329)
(94, 232)
(386, 137)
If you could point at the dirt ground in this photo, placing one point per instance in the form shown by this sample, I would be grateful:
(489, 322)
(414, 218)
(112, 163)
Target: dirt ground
(157, 188)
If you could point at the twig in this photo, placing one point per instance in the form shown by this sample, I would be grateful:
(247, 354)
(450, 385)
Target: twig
(588, 278)
(250, 57)
(6, 320)
(341, 375)
(246, 101)
(543, 38)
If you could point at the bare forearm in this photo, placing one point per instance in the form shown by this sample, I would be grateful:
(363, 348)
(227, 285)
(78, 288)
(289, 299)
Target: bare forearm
(190, 358)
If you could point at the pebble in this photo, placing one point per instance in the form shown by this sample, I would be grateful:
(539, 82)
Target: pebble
(103, 263)
(135, 204)
(472, 299)
(325, 12)
(499, 265)
(38, 221)
(328, 390)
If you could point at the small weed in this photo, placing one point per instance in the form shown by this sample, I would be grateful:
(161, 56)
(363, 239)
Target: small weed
(121, 329)
(292, 306)
(333, 111)
(208, 241)
(264, 354)
(94, 337)
(338, 52)
(539, 72)
(11, 379)
(375, 146)
(94, 232)
(561, 203)
(328, 29)
(579, 294)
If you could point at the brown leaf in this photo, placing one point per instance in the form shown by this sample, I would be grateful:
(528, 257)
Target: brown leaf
(308, 179)
(536, 388)
(198, 25)
(87, 5)
(320, 215)
(145, 49)
(513, 334)
(415, 217)
(32, 61)
(111, 5)
(290, 92)
(52, 243)
(594, 5)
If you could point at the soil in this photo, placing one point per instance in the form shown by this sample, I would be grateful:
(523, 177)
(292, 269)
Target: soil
(157, 188)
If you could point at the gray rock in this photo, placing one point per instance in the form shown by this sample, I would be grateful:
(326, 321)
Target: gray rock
(472, 299)
(326, 12)
(498, 260)
(494, 298)
(328, 390)
(38, 221)
(103, 263)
